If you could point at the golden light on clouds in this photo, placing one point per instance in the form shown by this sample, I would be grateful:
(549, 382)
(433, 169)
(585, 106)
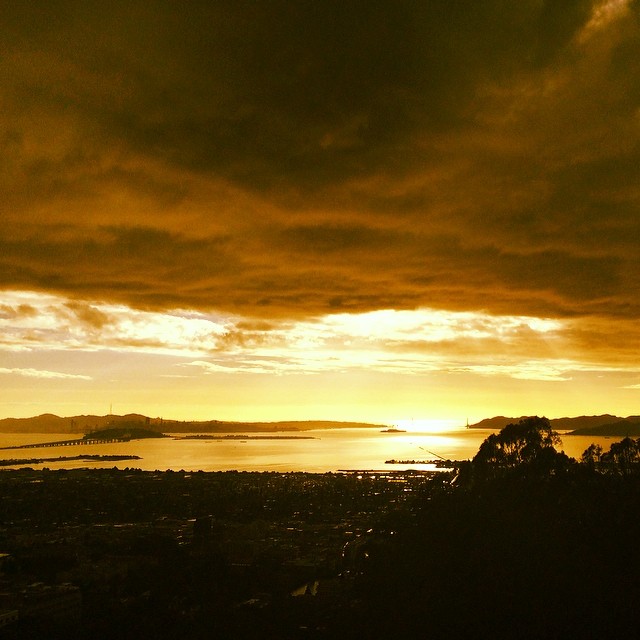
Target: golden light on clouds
(212, 351)
(385, 340)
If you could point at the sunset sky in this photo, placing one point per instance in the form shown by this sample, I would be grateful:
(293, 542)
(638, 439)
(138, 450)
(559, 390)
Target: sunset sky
(377, 211)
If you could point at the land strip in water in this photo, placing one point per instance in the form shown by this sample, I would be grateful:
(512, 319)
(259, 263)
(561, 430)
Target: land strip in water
(14, 462)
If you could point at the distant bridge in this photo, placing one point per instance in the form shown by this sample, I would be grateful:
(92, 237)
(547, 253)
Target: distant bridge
(68, 443)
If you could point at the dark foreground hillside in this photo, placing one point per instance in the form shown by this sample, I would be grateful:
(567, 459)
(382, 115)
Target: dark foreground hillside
(527, 543)
(514, 559)
(521, 542)
(105, 554)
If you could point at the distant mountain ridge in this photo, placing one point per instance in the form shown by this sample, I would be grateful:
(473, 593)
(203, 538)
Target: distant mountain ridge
(50, 423)
(626, 427)
(603, 425)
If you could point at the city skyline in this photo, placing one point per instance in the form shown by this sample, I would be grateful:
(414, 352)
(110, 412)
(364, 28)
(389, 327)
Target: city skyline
(286, 211)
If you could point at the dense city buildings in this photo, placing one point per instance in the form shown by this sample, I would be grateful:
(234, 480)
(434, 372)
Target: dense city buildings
(92, 553)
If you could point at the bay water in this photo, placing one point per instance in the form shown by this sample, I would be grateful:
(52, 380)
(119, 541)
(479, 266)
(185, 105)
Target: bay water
(319, 451)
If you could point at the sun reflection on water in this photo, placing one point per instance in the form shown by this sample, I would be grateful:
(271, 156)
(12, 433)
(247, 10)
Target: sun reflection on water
(429, 425)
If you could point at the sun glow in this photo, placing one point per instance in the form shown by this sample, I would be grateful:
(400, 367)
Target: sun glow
(430, 425)
(382, 366)
(421, 340)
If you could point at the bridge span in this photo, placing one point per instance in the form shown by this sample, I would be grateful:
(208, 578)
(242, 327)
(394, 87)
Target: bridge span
(67, 443)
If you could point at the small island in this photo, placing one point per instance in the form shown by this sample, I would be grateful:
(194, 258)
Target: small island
(123, 433)
(14, 462)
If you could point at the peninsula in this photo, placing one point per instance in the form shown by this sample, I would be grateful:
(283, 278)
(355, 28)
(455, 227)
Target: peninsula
(602, 425)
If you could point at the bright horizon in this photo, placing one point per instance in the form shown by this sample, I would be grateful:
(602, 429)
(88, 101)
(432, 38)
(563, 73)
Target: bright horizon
(382, 367)
(384, 214)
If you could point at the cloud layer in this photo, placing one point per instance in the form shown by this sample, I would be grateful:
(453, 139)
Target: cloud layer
(389, 341)
(296, 159)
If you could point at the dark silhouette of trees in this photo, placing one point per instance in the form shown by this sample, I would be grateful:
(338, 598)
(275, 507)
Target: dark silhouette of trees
(623, 457)
(527, 446)
(591, 455)
(527, 543)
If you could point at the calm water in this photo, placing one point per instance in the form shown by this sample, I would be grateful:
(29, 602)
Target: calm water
(329, 450)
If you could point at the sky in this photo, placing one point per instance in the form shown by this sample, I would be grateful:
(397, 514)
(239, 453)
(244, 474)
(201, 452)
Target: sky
(388, 212)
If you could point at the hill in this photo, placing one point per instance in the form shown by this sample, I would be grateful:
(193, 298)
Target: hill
(619, 428)
(497, 423)
(127, 431)
(50, 423)
(580, 425)
(583, 422)
(219, 426)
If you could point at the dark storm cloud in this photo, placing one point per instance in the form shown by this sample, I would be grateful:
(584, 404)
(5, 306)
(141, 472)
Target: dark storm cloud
(289, 159)
(88, 315)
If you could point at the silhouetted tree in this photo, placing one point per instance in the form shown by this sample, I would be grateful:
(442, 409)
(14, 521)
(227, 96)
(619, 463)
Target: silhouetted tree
(623, 457)
(591, 455)
(524, 442)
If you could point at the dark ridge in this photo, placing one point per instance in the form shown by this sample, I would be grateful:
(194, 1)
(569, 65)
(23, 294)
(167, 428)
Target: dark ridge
(130, 431)
(621, 428)
(50, 423)
(579, 425)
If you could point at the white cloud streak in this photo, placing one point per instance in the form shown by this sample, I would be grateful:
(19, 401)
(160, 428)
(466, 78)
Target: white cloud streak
(38, 373)
(420, 342)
